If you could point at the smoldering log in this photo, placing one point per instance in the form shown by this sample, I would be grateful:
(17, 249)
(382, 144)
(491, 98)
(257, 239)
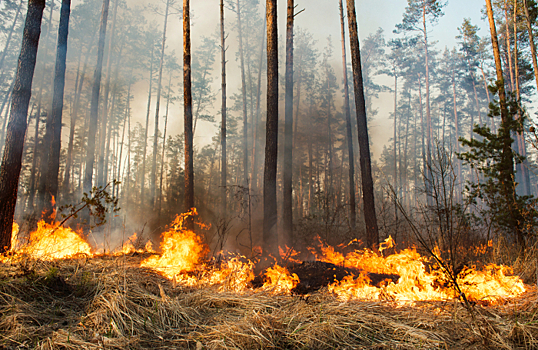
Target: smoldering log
(313, 275)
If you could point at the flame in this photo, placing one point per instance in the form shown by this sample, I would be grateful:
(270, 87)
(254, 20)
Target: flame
(289, 254)
(279, 280)
(420, 279)
(184, 259)
(49, 242)
(129, 247)
(182, 250)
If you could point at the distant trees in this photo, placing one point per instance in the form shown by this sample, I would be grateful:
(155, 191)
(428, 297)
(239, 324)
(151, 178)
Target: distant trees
(439, 97)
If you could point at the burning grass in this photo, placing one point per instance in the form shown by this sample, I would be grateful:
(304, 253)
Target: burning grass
(135, 298)
(111, 302)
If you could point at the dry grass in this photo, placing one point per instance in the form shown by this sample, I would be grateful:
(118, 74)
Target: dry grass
(111, 303)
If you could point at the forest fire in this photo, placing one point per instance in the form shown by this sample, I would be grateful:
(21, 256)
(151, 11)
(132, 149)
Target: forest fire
(49, 242)
(403, 276)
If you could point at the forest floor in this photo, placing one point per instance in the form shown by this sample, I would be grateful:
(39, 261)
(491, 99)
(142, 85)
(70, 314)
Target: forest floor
(111, 303)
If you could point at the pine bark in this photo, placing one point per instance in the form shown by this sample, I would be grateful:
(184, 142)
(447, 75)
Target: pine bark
(349, 134)
(287, 170)
(12, 159)
(187, 104)
(52, 142)
(270, 238)
(372, 231)
(223, 161)
(244, 96)
(94, 106)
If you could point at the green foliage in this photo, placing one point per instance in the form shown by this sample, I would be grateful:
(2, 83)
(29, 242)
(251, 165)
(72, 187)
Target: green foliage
(496, 187)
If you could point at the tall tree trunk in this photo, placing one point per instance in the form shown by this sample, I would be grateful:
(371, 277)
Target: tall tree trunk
(255, 123)
(143, 175)
(531, 41)
(429, 174)
(372, 231)
(52, 143)
(507, 155)
(123, 137)
(187, 104)
(396, 189)
(223, 113)
(101, 173)
(457, 127)
(508, 48)
(287, 208)
(16, 130)
(79, 83)
(164, 144)
(270, 234)
(94, 107)
(41, 81)
(158, 102)
(244, 95)
(523, 168)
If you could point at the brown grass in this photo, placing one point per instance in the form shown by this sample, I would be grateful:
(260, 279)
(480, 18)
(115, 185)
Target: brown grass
(111, 303)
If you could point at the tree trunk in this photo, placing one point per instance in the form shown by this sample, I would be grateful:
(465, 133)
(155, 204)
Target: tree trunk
(79, 83)
(372, 232)
(33, 172)
(508, 49)
(507, 160)
(396, 189)
(101, 173)
(244, 95)
(531, 41)
(523, 168)
(52, 142)
(16, 129)
(123, 135)
(254, 172)
(223, 113)
(270, 234)
(164, 145)
(287, 208)
(457, 127)
(428, 112)
(143, 181)
(94, 107)
(187, 104)
(158, 102)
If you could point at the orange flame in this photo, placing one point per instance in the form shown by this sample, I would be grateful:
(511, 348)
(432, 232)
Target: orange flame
(417, 281)
(49, 242)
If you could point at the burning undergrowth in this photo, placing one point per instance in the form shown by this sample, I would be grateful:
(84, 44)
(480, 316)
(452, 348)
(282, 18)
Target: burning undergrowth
(181, 298)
